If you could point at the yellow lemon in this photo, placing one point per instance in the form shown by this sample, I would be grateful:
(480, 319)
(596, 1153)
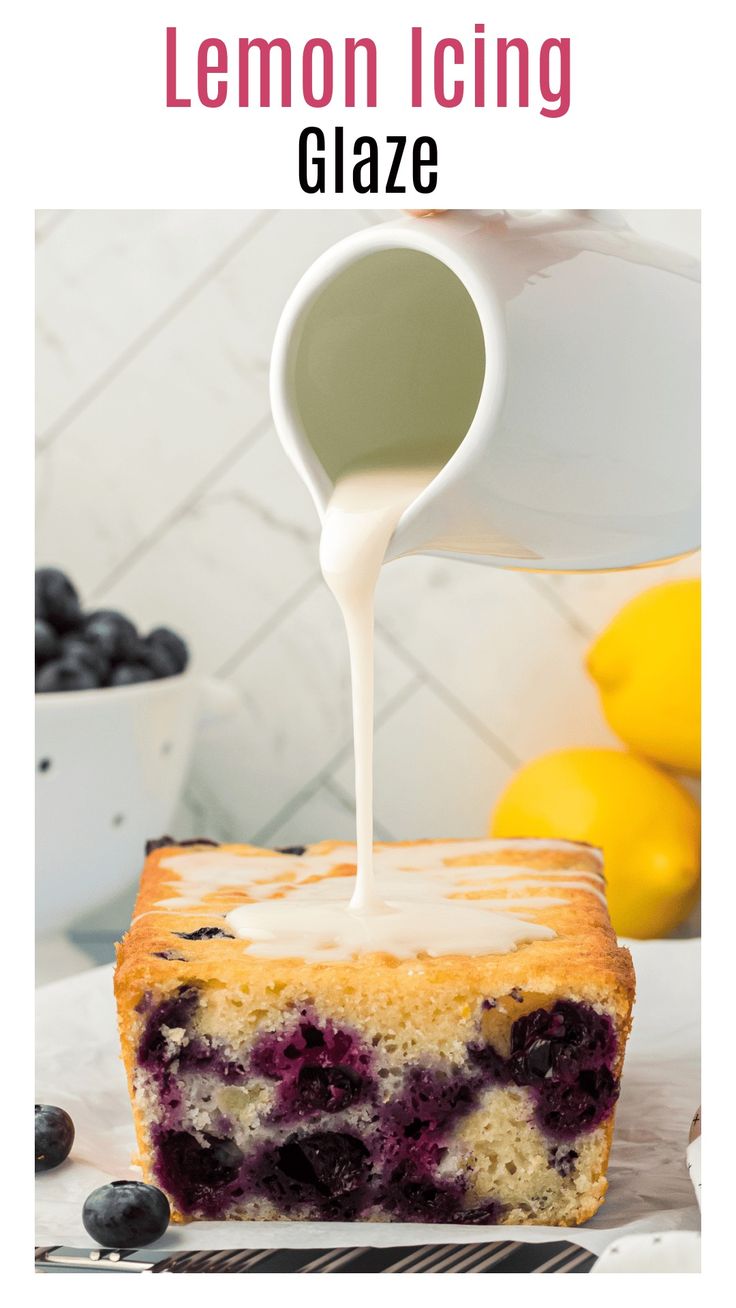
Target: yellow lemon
(647, 825)
(646, 665)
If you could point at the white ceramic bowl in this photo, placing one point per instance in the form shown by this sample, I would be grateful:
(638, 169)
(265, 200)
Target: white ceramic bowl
(110, 765)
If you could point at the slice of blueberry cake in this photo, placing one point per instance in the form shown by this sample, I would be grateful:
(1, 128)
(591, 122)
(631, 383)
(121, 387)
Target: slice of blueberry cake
(279, 1075)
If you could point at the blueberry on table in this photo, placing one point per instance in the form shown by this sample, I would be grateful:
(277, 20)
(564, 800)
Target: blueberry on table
(47, 642)
(54, 1136)
(65, 674)
(57, 601)
(128, 674)
(76, 647)
(114, 634)
(126, 1214)
(167, 642)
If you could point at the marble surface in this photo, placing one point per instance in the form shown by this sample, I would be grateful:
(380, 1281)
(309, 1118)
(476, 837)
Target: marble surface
(163, 490)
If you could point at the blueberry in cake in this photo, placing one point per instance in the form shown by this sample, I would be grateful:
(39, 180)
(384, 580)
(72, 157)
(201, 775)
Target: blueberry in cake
(306, 1077)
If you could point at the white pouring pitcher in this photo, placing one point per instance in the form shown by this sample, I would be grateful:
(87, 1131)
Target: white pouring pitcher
(549, 361)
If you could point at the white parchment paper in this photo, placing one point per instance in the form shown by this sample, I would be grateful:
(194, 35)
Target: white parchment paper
(78, 1067)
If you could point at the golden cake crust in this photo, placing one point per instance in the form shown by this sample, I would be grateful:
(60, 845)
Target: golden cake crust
(584, 954)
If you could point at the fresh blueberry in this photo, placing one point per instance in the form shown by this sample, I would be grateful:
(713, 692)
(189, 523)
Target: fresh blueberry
(65, 674)
(47, 642)
(57, 601)
(126, 1214)
(128, 674)
(77, 648)
(54, 1136)
(115, 635)
(166, 645)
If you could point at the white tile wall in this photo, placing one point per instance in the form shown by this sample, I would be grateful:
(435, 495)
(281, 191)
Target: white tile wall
(163, 490)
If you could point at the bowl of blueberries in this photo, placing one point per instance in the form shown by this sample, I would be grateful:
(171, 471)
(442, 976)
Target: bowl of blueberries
(117, 713)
